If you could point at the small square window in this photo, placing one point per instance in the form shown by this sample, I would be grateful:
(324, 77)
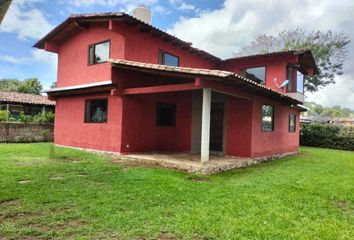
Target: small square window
(166, 114)
(292, 122)
(99, 52)
(257, 74)
(168, 59)
(267, 118)
(96, 111)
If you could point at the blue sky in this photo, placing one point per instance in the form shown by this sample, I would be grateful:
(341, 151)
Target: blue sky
(221, 27)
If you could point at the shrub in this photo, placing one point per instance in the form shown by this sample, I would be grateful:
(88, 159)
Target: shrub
(328, 136)
(4, 114)
(25, 118)
(48, 117)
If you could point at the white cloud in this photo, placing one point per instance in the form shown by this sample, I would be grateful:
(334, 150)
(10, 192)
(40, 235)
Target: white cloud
(88, 3)
(25, 20)
(37, 55)
(182, 5)
(12, 59)
(226, 30)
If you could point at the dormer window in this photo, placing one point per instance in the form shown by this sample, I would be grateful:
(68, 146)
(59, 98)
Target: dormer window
(168, 59)
(257, 74)
(99, 52)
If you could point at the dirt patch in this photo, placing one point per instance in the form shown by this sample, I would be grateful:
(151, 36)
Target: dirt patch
(127, 163)
(165, 236)
(75, 223)
(9, 202)
(13, 217)
(196, 178)
(24, 181)
(82, 174)
(345, 206)
(57, 178)
(67, 159)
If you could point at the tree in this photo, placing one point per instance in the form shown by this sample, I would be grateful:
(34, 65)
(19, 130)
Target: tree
(31, 85)
(9, 85)
(329, 50)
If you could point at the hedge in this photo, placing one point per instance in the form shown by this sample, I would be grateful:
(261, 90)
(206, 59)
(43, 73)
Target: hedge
(327, 136)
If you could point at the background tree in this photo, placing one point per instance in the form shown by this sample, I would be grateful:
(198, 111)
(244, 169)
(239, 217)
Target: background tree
(31, 85)
(329, 50)
(9, 85)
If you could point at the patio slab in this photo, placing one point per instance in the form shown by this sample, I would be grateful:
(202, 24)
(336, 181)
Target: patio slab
(190, 162)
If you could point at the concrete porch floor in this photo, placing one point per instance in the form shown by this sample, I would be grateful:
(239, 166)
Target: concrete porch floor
(190, 162)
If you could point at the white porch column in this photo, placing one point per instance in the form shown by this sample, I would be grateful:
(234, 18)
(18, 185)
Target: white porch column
(204, 155)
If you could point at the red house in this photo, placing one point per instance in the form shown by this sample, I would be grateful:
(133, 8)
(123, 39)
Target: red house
(125, 86)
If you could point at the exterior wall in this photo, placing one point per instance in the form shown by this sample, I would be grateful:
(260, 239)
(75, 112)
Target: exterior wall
(276, 67)
(26, 132)
(280, 140)
(70, 129)
(239, 127)
(73, 68)
(140, 132)
(143, 47)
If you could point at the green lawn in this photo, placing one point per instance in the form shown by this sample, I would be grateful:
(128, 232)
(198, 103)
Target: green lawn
(69, 194)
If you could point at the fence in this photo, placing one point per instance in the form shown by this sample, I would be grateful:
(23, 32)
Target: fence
(26, 132)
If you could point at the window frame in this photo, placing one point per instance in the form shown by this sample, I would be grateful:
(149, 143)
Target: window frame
(289, 120)
(85, 110)
(258, 66)
(174, 120)
(273, 118)
(294, 74)
(94, 46)
(161, 58)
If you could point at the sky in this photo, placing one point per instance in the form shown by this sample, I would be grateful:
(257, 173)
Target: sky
(221, 27)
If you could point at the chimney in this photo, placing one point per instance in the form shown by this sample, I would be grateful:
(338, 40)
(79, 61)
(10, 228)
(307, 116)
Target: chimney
(142, 13)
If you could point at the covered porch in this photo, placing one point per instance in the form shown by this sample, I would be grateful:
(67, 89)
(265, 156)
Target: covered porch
(213, 118)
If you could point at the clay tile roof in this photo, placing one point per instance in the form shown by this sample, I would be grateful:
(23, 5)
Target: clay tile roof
(74, 18)
(14, 97)
(196, 71)
(275, 53)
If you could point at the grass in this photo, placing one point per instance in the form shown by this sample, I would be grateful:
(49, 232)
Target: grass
(69, 194)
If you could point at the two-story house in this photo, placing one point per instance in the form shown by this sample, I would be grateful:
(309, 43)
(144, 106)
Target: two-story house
(125, 86)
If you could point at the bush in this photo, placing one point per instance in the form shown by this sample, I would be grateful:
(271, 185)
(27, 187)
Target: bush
(4, 114)
(25, 118)
(328, 136)
(48, 117)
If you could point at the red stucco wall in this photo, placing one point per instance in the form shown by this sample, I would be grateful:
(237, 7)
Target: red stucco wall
(280, 140)
(140, 132)
(73, 68)
(70, 129)
(239, 127)
(276, 67)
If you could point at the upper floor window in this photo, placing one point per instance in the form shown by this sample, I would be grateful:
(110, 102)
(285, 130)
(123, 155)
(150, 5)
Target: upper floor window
(168, 59)
(299, 82)
(99, 52)
(257, 74)
(96, 111)
(296, 80)
(292, 122)
(267, 118)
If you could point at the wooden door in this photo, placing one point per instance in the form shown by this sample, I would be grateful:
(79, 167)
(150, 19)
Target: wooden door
(216, 126)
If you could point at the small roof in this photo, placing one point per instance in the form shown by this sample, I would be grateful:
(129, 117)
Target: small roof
(77, 87)
(304, 53)
(218, 74)
(23, 98)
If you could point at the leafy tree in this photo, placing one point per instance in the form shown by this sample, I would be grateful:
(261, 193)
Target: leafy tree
(329, 50)
(9, 85)
(31, 85)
